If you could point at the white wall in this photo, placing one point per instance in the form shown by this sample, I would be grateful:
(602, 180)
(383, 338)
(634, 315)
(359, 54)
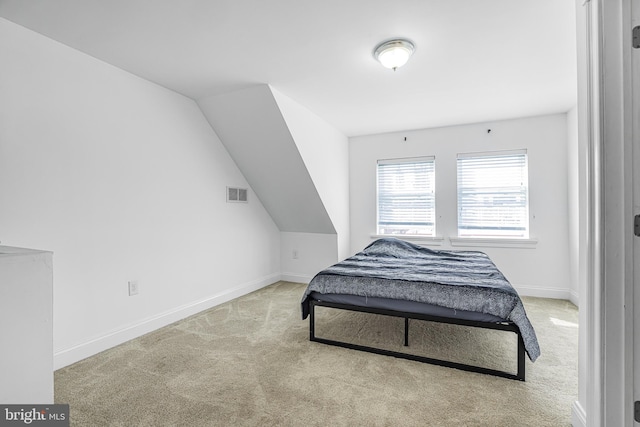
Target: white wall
(312, 251)
(325, 152)
(542, 271)
(122, 180)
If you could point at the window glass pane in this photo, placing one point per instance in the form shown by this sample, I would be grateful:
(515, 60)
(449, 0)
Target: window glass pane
(406, 196)
(493, 195)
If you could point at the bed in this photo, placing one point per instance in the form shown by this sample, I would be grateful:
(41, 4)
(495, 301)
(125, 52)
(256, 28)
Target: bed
(397, 278)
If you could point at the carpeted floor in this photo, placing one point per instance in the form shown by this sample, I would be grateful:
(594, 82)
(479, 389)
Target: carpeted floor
(249, 362)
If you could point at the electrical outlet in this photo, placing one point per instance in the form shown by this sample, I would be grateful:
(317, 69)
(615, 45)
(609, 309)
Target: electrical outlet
(133, 288)
(294, 254)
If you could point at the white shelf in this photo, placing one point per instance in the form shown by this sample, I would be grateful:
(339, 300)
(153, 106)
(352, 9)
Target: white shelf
(26, 316)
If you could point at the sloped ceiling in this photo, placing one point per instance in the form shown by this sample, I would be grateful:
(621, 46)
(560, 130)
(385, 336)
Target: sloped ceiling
(251, 126)
(475, 60)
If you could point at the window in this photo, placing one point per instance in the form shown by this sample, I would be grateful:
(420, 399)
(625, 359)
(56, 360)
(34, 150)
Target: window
(493, 195)
(406, 196)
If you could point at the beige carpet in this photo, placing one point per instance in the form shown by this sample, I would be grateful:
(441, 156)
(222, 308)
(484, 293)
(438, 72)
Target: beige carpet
(249, 362)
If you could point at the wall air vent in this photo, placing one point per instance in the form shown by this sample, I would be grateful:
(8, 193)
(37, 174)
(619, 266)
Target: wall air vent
(236, 195)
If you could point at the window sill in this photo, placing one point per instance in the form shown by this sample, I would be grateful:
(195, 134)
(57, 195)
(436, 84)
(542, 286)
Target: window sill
(424, 240)
(494, 242)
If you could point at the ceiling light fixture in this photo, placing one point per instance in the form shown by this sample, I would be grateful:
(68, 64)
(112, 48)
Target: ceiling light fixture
(394, 53)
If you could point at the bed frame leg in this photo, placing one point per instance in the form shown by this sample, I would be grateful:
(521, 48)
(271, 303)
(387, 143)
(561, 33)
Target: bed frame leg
(312, 323)
(521, 363)
(406, 332)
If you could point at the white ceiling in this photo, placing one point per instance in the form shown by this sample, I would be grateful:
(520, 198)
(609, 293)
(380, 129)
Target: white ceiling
(475, 60)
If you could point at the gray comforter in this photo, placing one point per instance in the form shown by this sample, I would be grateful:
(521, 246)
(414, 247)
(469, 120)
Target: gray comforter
(462, 280)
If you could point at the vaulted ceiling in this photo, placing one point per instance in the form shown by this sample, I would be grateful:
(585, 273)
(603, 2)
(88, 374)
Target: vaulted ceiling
(476, 60)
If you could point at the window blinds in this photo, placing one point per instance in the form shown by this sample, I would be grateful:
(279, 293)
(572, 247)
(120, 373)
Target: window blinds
(406, 196)
(493, 195)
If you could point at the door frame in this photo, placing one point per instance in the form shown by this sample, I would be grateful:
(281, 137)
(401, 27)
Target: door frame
(606, 300)
(635, 138)
(614, 282)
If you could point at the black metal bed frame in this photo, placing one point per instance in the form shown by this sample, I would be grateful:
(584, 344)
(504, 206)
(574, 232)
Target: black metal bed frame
(502, 326)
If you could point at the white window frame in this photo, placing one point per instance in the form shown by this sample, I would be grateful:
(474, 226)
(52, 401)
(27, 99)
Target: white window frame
(411, 230)
(466, 198)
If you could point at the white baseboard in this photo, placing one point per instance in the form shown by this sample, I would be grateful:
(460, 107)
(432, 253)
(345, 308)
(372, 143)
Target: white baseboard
(296, 278)
(574, 298)
(578, 415)
(540, 292)
(94, 346)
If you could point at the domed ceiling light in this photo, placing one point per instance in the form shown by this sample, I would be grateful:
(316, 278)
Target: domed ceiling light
(394, 53)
